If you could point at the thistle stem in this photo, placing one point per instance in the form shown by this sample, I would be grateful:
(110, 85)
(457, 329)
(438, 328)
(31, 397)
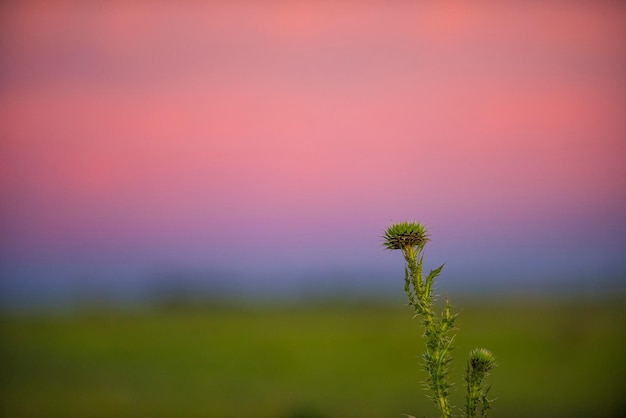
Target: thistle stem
(436, 356)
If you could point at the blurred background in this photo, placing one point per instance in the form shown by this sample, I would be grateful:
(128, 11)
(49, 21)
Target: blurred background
(193, 198)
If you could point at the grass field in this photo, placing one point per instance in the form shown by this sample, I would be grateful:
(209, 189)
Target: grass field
(316, 360)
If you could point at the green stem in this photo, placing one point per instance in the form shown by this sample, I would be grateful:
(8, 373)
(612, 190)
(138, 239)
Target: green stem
(439, 383)
(444, 408)
(437, 341)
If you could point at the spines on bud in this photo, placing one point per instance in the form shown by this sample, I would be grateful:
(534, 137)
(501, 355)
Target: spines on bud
(403, 235)
(481, 360)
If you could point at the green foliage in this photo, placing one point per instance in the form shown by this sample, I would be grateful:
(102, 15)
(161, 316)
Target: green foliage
(410, 238)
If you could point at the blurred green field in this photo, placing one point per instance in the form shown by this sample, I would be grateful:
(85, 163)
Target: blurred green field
(565, 359)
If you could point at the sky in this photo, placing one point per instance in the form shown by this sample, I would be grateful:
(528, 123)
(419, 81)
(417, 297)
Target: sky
(271, 143)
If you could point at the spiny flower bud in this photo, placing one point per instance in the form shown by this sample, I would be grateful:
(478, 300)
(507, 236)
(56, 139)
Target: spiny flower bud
(481, 360)
(404, 235)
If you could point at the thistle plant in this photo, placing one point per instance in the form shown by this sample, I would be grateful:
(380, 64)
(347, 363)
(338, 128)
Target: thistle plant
(479, 363)
(439, 328)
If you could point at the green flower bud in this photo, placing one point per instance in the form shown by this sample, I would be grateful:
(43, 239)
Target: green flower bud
(404, 235)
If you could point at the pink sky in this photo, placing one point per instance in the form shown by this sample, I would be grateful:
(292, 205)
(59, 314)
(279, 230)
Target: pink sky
(295, 132)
